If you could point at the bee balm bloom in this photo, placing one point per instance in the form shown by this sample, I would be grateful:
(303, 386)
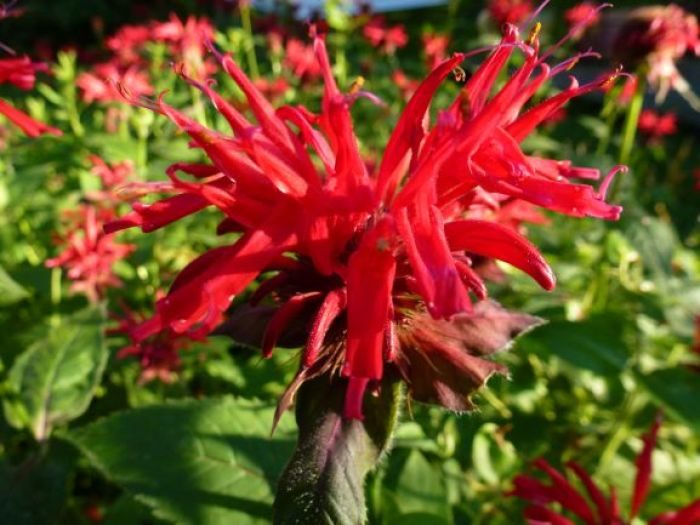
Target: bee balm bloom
(378, 263)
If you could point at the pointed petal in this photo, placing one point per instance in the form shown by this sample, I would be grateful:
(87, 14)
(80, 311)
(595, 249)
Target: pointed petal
(499, 242)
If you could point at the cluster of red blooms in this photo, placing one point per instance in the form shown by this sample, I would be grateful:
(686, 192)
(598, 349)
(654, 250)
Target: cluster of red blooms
(654, 126)
(89, 254)
(21, 72)
(597, 509)
(386, 38)
(380, 263)
(185, 41)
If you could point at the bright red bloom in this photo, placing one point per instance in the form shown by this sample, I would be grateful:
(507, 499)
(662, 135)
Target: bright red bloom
(510, 11)
(88, 253)
(387, 38)
(374, 252)
(101, 85)
(655, 125)
(593, 507)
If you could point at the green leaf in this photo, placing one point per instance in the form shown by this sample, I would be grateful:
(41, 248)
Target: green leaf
(324, 481)
(656, 241)
(193, 462)
(55, 379)
(676, 390)
(493, 459)
(593, 344)
(415, 488)
(10, 291)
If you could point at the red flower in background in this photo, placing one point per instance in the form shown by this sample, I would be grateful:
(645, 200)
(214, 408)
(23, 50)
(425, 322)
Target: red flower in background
(188, 43)
(382, 265)
(301, 60)
(658, 36)
(387, 38)
(593, 507)
(510, 11)
(435, 49)
(406, 85)
(582, 16)
(158, 356)
(655, 125)
(128, 42)
(101, 85)
(88, 253)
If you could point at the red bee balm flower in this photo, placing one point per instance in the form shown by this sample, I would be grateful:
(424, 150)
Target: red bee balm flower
(89, 253)
(604, 510)
(374, 253)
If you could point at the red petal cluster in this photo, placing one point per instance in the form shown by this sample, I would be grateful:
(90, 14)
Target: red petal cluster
(594, 508)
(88, 253)
(372, 245)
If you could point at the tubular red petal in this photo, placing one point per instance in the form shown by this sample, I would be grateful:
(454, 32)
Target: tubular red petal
(333, 304)
(563, 492)
(370, 279)
(262, 109)
(642, 481)
(211, 281)
(281, 319)
(354, 396)
(408, 132)
(597, 497)
(30, 127)
(311, 136)
(539, 515)
(499, 242)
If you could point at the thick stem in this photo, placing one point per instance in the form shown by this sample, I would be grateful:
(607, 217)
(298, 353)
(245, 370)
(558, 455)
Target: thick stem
(324, 481)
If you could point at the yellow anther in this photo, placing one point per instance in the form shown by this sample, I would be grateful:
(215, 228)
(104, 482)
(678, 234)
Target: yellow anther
(534, 33)
(460, 74)
(357, 85)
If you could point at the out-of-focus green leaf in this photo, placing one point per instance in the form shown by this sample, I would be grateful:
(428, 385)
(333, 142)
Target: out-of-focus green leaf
(54, 381)
(593, 344)
(416, 489)
(194, 462)
(10, 291)
(676, 390)
(493, 459)
(656, 241)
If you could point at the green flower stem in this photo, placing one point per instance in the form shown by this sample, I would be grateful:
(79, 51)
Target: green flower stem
(630, 131)
(324, 480)
(249, 43)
